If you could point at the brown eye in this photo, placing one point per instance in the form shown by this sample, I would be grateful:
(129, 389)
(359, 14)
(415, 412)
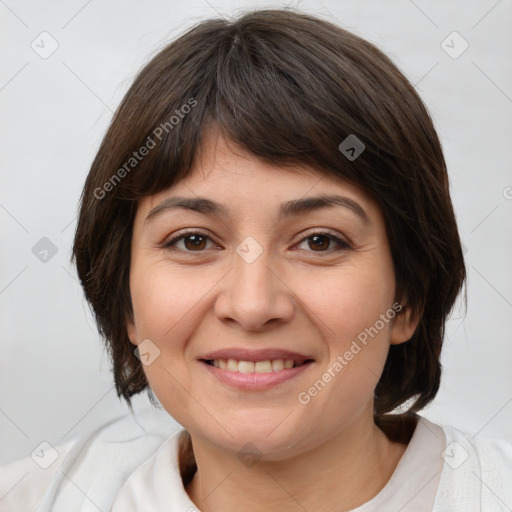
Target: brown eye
(320, 242)
(192, 242)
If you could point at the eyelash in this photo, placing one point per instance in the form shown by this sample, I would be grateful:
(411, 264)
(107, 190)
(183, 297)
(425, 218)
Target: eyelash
(343, 245)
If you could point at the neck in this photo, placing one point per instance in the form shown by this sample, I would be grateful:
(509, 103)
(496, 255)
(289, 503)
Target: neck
(341, 474)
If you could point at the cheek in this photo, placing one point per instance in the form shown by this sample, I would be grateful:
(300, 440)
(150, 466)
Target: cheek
(164, 300)
(345, 302)
(353, 311)
(167, 306)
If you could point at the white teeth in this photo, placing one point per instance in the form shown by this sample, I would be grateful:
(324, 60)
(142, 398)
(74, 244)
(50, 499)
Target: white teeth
(232, 365)
(246, 367)
(267, 366)
(262, 367)
(277, 365)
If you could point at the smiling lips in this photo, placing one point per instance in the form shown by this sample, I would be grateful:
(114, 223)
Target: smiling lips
(266, 366)
(255, 370)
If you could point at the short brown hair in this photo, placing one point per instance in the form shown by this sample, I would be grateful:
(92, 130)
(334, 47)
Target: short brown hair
(289, 88)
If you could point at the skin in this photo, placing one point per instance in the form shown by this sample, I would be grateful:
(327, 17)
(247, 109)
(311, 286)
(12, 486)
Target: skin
(300, 295)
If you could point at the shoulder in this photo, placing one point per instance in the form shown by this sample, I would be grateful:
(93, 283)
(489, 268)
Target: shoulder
(486, 454)
(24, 481)
(89, 469)
(477, 471)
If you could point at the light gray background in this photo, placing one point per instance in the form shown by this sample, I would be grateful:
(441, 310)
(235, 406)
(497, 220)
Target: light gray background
(55, 380)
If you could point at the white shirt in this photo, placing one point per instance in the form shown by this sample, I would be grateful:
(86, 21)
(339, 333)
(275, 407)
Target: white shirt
(132, 465)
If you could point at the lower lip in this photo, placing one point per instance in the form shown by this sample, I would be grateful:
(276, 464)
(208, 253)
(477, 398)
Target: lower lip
(255, 381)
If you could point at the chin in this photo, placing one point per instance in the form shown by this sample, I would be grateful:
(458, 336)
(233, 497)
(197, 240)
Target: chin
(265, 440)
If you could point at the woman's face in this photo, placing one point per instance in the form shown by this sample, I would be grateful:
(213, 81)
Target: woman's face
(268, 278)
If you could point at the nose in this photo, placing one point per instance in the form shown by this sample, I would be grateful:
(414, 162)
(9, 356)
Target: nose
(254, 294)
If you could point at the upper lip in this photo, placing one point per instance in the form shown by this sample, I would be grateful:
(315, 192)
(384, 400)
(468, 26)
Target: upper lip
(241, 354)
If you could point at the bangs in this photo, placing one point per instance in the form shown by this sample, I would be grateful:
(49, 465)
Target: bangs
(266, 92)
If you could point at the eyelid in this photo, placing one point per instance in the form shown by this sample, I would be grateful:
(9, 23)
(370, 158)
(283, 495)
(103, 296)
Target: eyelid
(340, 241)
(182, 233)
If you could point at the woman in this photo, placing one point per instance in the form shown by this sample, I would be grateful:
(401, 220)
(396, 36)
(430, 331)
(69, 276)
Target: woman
(268, 243)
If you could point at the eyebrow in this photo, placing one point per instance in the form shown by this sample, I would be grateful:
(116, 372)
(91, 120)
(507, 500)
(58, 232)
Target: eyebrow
(290, 208)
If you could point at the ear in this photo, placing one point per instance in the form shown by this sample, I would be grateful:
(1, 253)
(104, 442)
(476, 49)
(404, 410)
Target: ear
(404, 325)
(132, 332)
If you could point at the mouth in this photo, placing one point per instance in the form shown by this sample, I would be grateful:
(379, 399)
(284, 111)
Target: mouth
(255, 370)
(265, 366)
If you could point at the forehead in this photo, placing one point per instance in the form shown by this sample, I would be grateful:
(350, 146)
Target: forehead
(222, 160)
(229, 174)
